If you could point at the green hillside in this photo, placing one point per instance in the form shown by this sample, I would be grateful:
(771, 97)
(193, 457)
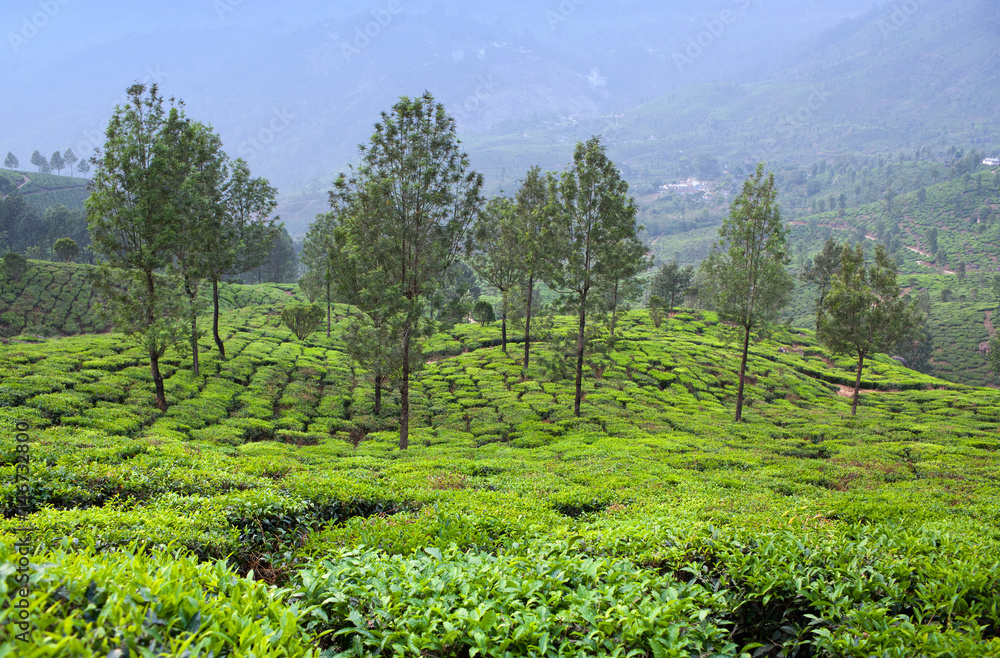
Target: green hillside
(44, 191)
(56, 299)
(964, 214)
(651, 525)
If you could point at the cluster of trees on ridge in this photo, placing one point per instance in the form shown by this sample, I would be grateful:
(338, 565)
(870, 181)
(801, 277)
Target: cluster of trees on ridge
(169, 211)
(58, 161)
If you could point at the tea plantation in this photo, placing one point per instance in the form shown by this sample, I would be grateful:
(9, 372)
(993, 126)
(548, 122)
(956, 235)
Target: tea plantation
(56, 299)
(267, 512)
(961, 306)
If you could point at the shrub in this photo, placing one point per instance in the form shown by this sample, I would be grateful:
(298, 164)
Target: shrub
(302, 319)
(483, 313)
(14, 265)
(168, 603)
(66, 249)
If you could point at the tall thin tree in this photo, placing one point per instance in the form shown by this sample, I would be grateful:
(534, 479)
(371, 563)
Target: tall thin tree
(499, 254)
(199, 215)
(745, 272)
(596, 238)
(133, 217)
(534, 228)
(417, 199)
(242, 238)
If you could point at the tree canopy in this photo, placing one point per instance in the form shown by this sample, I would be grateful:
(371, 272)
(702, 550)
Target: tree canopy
(413, 200)
(745, 273)
(863, 312)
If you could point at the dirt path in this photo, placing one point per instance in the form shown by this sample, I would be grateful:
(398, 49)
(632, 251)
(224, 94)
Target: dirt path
(848, 391)
(24, 182)
(922, 253)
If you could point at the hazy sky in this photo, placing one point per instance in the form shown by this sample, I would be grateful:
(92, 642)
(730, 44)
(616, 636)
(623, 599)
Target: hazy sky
(294, 86)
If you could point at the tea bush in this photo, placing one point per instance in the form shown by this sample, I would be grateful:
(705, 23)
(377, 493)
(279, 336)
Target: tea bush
(801, 531)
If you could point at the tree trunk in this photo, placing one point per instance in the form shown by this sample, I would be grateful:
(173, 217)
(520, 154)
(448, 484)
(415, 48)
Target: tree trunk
(404, 394)
(215, 318)
(378, 394)
(327, 309)
(527, 326)
(743, 372)
(503, 333)
(154, 368)
(614, 313)
(154, 355)
(192, 299)
(857, 383)
(579, 356)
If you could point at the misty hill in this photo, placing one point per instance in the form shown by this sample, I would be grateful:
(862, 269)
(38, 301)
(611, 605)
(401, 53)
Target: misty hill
(882, 82)
(878, 83)
(295, 94)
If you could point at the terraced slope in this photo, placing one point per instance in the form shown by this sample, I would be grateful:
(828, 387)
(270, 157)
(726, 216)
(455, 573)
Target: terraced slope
(56, 299)
(46, 190)
(651, 525)
(964, 213)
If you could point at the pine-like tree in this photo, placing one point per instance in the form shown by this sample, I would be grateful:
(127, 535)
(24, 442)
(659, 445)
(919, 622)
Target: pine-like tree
(745, 273)
(863, 312)
(412, 200)
(534, 230)
(596, 240)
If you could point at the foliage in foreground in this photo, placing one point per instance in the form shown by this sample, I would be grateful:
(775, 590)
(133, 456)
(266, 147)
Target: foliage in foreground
(651, 525)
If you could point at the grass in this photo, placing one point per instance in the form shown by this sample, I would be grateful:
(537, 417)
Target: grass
(268, 502)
